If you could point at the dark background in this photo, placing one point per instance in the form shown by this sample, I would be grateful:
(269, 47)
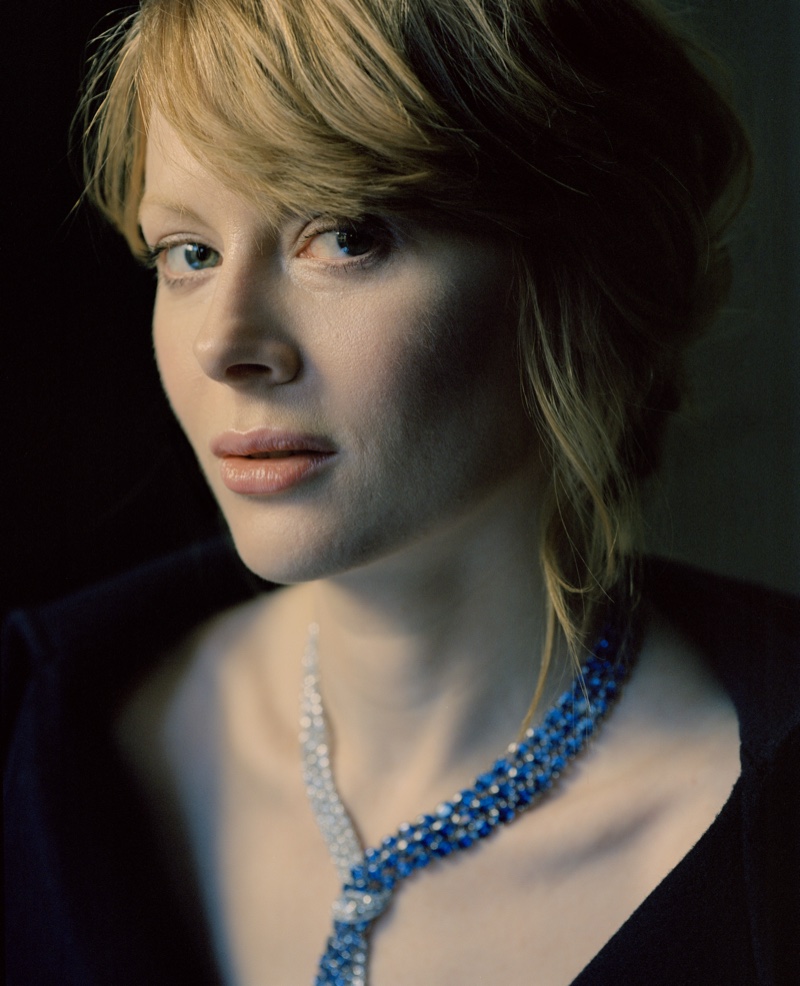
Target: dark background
(98, 476)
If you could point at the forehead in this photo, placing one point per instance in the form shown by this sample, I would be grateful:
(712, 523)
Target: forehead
(172, 175)
(167, 157)
(175, 178)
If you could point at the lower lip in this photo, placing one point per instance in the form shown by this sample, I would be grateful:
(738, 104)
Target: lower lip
(259, 477)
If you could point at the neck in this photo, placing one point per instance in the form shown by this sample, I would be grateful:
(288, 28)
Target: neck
(429, 660)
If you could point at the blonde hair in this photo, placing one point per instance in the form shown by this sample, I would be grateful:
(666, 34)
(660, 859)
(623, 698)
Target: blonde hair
(583, 131)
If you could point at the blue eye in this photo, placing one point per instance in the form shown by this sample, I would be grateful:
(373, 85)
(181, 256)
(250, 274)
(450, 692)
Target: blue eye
(184, 258)
(344, 243)
(354, 242)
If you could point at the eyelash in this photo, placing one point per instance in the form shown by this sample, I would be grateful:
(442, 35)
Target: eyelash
(151, 262)
(383, 235)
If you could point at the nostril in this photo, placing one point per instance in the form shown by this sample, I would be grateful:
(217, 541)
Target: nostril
(240, 371)
(240, 352)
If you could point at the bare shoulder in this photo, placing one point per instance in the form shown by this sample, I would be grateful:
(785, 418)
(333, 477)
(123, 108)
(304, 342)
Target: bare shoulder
(677, 715)
(670, 755)
(673, 687)
(234, 656)
(213, 695)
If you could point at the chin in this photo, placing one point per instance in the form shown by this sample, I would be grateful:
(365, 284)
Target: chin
(292, 555)
(274, 559)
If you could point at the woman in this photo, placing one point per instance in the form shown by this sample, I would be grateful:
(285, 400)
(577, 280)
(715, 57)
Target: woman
(426, 272)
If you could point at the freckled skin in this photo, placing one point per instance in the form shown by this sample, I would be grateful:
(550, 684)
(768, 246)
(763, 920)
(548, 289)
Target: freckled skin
(403, 360)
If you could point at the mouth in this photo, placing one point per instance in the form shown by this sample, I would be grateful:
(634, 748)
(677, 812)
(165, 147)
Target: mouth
(265, 461)
(269, 443)
(283, 454)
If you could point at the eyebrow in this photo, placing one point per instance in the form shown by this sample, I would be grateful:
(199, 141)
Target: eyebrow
(169, 205)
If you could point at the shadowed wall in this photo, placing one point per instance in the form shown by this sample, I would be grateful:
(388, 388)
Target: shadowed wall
(732, 476)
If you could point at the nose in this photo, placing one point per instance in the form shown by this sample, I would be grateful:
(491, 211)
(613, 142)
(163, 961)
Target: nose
(243, 338)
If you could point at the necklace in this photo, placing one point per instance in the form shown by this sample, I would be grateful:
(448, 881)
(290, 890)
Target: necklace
(511, 785)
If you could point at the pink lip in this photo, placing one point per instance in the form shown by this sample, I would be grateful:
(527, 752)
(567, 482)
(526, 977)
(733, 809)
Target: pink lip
(265, 461)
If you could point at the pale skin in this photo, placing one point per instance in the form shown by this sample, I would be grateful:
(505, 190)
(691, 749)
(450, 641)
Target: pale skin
(416, 551)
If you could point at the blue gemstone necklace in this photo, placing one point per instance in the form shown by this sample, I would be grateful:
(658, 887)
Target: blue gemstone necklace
(512, 784)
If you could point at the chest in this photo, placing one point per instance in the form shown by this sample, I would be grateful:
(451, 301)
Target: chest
(225, 784)
(583, 860)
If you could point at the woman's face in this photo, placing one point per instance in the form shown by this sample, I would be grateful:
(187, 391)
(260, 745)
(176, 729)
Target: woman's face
(349, 388)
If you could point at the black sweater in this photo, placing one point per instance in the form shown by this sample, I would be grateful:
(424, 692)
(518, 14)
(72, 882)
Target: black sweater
(88, 902)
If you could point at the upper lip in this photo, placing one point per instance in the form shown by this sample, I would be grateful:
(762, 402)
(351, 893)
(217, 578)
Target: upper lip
(262, 441)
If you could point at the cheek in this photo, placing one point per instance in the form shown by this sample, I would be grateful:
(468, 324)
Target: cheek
(451, 352)
(436, 383)
(166, 347)
(177, 367)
